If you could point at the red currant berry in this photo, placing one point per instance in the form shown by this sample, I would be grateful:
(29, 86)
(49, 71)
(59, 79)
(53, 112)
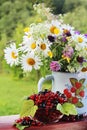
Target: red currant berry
(81, 93)
(68, 95)
(32, 97)
(78, 85)
(74, 100)
(18, 120)
(73, 89)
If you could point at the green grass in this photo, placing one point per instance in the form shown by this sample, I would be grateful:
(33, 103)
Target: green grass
(12, 93)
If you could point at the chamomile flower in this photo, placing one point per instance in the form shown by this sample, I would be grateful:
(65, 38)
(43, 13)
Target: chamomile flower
(29, 46)
(81, 40)
(11, 55)
(30, 61)
(44, 47)
(67, 29)
(55, 28)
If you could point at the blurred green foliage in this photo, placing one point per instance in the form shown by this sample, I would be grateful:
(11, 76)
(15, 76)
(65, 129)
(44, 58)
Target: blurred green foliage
(15, 15)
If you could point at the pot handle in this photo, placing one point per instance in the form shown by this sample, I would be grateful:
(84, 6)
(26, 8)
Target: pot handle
(42, 80)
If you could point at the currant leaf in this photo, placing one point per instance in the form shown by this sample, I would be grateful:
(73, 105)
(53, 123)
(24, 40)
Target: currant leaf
(67, 109)
(20, 127)
(28, 108)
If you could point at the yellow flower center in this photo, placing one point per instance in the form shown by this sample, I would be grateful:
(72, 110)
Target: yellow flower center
(33, 45)
(26, 29)
(54, 30)
(50, 54)
(65, 31)
(13, 55)
(80, 40)
(43, 46)
(30, 61)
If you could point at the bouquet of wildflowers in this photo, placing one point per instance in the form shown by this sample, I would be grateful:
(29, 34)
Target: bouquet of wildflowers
(52, 44)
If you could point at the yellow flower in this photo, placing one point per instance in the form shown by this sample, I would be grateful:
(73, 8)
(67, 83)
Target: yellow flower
(50, 54)
(66, 58)
(27, 29)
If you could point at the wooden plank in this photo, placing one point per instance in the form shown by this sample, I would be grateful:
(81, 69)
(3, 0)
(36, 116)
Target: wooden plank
(6, 123)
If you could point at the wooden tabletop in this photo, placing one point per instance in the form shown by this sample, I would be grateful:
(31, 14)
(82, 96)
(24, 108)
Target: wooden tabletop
(6, 123)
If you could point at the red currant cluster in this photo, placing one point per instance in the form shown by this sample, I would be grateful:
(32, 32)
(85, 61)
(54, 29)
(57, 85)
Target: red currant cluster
(47, 102)
(75, 94)
(48, 99)
(28, 121)
(47, 112)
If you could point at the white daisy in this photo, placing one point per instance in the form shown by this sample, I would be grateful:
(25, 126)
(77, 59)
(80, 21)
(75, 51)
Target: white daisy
(67, 28)
(80, 40)
(11, 55)
(29, 45)
(55, 28)
(30, 61)
(44, 47)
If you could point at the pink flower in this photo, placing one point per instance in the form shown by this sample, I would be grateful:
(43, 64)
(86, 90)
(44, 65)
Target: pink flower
(54, 66)
(68, 51)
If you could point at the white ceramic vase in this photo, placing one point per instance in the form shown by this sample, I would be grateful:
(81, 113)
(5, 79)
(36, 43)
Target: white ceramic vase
(60, 81)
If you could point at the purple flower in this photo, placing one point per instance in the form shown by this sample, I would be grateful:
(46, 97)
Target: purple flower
(77, 32)
(54, 66)
(80, 59)
(64, 39)
(68, 34)
(85, 35)
(68, 51)
(51, 38)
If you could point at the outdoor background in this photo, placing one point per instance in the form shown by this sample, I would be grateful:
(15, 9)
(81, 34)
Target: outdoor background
(15, 15)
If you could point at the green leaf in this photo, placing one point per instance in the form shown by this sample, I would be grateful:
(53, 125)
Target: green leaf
(73, 80)
(67, 109)
(28, 108)
(79, 105)
(60, 108)
(20, 127)
(82, 80)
